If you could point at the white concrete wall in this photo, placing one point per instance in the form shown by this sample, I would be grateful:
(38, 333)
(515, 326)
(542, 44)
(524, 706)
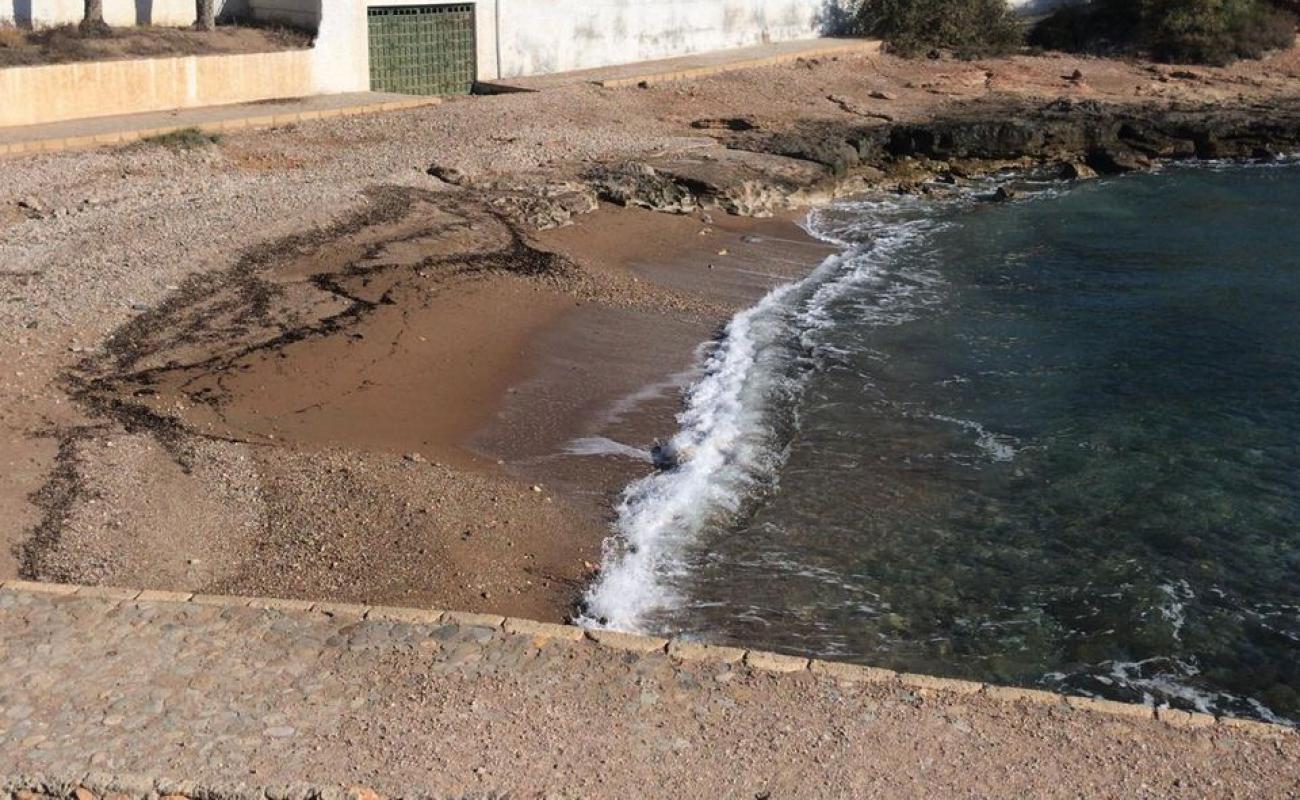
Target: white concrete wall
(541, 36)
(341, 53)
(121, 13)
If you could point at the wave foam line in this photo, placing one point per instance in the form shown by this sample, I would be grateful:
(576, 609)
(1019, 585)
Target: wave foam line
(728, 441)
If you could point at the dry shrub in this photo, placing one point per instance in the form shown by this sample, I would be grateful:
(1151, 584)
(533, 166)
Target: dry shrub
(1186, 31)
(971, 28)
(11, 36)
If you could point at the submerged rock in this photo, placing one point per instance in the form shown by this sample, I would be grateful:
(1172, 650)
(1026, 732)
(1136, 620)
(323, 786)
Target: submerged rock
(1076, 171)
(666, 455)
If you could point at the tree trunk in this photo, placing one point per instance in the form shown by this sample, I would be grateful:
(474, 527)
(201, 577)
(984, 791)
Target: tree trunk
(92, 21)
(206, 18)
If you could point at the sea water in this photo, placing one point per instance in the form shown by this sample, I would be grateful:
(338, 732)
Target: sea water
(1052, 442)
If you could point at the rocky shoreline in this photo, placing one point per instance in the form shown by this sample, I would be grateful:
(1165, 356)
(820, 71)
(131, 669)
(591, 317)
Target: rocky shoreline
(763, 170)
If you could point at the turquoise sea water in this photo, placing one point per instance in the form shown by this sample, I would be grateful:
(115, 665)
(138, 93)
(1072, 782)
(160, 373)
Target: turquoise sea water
(1053, 442)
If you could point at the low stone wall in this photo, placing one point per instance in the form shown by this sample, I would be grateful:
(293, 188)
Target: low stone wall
(56, 92)
(681, 650)
(191, 635)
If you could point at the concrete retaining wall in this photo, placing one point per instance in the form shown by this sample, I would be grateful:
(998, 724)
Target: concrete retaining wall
(33, 95)
(680, 650)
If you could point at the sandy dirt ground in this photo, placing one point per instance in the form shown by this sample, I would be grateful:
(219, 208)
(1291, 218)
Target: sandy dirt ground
(295, 363)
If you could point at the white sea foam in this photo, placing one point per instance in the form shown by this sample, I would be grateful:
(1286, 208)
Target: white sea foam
(604, 446)
(728, 424)
(1173, 610)
(997, 446)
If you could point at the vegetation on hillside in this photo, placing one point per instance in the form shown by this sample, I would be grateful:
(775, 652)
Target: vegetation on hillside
(1186, 31)
(970, 28)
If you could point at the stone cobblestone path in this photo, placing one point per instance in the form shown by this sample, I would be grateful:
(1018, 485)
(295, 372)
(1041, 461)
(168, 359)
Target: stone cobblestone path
(262, 700)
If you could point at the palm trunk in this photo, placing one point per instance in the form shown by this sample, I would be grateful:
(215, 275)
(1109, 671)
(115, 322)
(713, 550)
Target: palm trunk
(206, 18)
(92, 22)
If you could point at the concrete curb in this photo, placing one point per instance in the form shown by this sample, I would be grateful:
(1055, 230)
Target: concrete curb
(59, 145)
(841, 48)
(776, 664)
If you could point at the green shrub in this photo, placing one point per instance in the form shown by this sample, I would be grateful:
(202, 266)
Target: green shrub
(971, 28)
(183, 139)
(1190, 31)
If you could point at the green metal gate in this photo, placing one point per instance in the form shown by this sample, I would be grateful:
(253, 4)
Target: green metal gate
(422, 49)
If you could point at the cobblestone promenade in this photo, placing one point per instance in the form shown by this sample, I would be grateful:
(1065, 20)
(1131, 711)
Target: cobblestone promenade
(212, 698)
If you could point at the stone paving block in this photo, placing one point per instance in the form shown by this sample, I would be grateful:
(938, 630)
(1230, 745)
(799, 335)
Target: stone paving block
(108, 592)
(855, 673)
(469, 618)
(775, 662)
(235, 601)
(1135, 710)
(413, 616)
(1184, 719)
(698, 651)
(280, 604)
(160, 596)
(40, 587)
(543, 630)
(1018, 694)
(635, 643)
(933, 684)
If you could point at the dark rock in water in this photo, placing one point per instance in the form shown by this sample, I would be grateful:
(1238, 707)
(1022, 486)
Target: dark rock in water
(666, 455)
(1076, 171)
(1116, 159)
(1003, 194)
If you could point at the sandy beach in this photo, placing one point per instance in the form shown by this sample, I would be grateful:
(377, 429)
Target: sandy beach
(295, 363)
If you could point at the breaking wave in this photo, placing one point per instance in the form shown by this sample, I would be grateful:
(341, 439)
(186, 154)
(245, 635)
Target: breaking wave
(739, 416)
